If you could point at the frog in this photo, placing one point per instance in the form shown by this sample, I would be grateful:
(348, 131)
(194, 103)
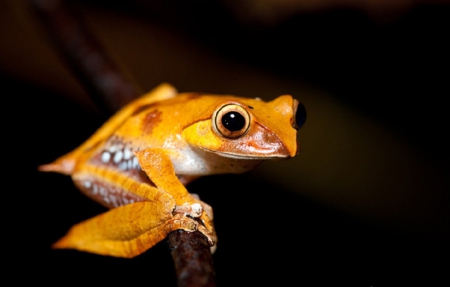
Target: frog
(139, 162)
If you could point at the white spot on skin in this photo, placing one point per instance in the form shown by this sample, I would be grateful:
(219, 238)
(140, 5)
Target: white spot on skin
(123, 165)
(129, 164)
(94, 189)
(118, 156)
(113, 201)
(87, 184)
(136, 163)
(127, 154)
(114, 148)
(106, 156)
(196, 210)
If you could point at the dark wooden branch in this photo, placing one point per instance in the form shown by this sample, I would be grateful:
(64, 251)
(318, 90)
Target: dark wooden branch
(192, 257)
(85, 56)
(111, 90)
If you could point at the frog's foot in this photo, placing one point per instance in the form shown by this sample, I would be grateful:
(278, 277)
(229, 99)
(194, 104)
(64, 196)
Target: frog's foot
(207, 224)
(209, 234)
(182, 222)
(201, 213)
(194, 210)
(205, 207)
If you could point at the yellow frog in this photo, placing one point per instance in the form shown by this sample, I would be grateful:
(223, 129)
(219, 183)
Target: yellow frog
(138, 163)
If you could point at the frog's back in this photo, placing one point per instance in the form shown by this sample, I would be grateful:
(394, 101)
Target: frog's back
(104, 136)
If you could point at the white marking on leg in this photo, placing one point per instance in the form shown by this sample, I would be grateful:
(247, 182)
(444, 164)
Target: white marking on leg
(106, 156)
(94, 188)
(123, 165)
(127, 153)
(113, 201)
(118, 156)
(87, 184)
(136, 163)
(196, 209)
(113, 148)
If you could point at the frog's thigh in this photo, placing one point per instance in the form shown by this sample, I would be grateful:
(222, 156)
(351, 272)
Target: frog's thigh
(125, 231)
(113, 188)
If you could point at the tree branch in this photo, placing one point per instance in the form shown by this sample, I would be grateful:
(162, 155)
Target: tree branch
(85, 56)
(192, 257)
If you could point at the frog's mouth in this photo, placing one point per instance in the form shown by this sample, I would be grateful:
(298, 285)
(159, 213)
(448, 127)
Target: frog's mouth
(252, 154)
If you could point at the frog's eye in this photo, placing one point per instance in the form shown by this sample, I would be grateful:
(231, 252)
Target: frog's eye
(300, 116)
(231, 121)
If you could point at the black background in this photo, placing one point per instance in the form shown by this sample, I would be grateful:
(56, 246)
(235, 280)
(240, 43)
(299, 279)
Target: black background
(393, 71)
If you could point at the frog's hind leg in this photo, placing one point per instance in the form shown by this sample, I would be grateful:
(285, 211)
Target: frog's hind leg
(141, 215)
(126, 231)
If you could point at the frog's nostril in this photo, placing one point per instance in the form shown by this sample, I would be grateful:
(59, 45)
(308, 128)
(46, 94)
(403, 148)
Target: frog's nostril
(300, 116)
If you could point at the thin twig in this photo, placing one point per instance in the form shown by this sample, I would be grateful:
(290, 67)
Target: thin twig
(85, 56)
(110, 91)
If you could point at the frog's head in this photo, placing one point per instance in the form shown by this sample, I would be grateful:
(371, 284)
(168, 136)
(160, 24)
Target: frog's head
(244, 128)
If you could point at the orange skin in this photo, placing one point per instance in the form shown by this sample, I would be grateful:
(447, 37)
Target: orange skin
(138, 163)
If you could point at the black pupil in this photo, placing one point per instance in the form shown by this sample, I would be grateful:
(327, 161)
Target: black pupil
(233, 121)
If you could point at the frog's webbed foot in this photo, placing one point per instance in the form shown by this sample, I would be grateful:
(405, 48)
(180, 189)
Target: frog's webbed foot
(207, 225)
(157, 165)
(194, 210)
(205, 207)
(202, 213)
(180, 221)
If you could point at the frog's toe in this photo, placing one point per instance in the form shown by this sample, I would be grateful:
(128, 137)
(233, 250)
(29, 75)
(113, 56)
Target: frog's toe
(197, 210)
(194, 210)
(209, 234)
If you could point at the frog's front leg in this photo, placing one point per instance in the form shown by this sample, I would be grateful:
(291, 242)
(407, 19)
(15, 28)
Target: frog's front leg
(157, 165)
